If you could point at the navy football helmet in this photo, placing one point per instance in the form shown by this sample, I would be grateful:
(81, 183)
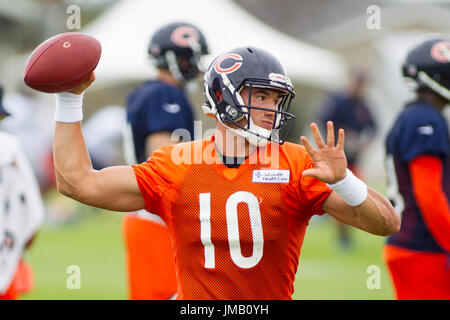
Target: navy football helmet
(248, 67)
(428, 64)
(178, 47)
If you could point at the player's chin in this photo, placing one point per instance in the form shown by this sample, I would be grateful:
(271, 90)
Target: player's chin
(267, 126)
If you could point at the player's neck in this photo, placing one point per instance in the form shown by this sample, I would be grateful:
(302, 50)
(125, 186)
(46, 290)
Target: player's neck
(230, 144)
(166, 77)
(433, 99)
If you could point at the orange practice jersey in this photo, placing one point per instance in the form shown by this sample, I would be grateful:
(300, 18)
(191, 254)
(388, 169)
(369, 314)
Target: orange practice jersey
(237, 233)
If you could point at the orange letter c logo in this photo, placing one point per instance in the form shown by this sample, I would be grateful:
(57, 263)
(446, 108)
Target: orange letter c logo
(238, 62)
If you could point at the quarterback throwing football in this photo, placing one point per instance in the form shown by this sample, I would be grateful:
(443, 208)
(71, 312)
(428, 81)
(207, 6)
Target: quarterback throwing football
(237, 204)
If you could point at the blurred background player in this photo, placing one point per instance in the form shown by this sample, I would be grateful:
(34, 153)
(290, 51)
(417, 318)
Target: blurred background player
(349, 110)
(27, 125)
(154, 110)
(418, 164)
(21, 214)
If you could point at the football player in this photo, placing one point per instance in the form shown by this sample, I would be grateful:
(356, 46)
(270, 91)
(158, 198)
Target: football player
(418, 164)
(349, 110)
(236, 204)
(21, 215)
(154, 110)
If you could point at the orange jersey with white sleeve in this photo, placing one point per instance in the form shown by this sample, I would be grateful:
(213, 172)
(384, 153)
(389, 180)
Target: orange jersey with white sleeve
(237, 232)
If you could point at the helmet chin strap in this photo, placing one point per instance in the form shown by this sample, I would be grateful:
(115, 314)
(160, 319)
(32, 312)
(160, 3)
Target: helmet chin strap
(173, 66)
(253, 139)
(256, 135)
(435, 86)
(250, 136)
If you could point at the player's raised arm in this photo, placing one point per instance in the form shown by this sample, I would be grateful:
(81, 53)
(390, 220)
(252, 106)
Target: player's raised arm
(351, 201)
(64, 65)
(113, 188)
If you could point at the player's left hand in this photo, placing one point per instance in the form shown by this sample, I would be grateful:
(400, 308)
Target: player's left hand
(330, 163)
(83, 86)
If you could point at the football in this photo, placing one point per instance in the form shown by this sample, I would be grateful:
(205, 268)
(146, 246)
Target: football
(62, 62)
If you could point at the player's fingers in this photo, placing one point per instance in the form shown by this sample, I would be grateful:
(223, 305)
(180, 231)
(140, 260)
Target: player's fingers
(92, 77)
(312, 173)
(341, 139)
(88, 81)
(308, 146)
(83, 86)
(330, 134)
(317, 136)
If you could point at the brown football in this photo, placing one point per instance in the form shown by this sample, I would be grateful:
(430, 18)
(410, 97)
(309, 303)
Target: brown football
(62, 62)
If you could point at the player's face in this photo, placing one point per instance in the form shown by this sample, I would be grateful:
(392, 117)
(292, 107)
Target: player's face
(263, 98)
(183, 62)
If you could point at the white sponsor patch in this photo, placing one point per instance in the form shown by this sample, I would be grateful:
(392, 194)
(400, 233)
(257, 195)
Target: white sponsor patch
(427, 130)
(172, 107)
(271, 176)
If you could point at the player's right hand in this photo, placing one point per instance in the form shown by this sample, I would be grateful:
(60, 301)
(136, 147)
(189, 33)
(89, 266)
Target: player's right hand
(82, 87)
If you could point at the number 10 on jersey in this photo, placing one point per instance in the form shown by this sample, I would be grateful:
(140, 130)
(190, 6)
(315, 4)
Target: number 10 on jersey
(232, 229)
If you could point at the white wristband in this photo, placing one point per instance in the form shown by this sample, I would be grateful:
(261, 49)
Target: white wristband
(351, 189)
(69, 107)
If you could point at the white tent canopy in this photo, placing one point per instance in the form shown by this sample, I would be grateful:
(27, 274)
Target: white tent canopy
(125, 30)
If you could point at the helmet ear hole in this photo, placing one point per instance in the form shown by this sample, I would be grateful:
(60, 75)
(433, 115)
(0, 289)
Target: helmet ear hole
(216, 90)
(219, 95)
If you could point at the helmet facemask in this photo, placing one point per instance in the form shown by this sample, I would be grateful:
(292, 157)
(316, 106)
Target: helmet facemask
(183, 68)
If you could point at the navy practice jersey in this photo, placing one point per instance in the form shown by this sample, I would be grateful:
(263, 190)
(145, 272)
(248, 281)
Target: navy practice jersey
(155, 107)
(419, 130)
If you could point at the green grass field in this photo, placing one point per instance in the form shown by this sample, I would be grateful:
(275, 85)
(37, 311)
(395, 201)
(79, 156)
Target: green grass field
(94, 243)
(326, 271)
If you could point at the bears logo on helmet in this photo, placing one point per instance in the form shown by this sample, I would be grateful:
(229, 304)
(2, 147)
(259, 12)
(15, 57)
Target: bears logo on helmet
(441, 51)
(185, 36)
(237, 64)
